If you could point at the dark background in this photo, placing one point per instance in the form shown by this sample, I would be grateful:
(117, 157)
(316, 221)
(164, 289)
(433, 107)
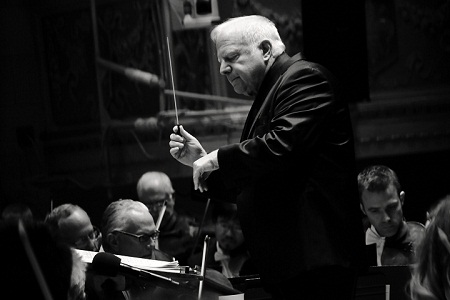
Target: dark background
(392, 57)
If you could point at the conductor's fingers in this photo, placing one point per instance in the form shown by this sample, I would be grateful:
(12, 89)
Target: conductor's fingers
(174, 143)
(174, 150)
(185, 133)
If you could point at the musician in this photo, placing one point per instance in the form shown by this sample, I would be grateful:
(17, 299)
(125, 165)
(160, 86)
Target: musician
(33, 259)
(430, 274)
(176, 232)
(128, 229)
(71, 224)
(382, 202)
(227, 251)
(292, 173)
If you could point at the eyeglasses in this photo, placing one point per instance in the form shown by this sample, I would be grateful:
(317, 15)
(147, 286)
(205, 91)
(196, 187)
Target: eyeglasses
(92, 237)
(143, 238)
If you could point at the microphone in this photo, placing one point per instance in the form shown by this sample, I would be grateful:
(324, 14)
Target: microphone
(108, 264)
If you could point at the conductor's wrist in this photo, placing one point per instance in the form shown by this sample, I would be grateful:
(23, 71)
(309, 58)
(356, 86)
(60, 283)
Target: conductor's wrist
(202, 152)
(214, 159)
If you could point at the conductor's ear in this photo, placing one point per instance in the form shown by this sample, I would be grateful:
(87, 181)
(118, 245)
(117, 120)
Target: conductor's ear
(266, 47)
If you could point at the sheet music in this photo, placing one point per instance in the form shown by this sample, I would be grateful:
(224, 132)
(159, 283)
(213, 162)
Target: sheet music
(141, 263)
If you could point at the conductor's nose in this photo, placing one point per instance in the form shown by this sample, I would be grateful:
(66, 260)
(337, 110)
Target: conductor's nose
(224, 68)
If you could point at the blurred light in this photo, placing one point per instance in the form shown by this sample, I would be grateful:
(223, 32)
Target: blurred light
(200, 13)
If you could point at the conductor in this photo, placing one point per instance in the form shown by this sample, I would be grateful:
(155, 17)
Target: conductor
(292, 173)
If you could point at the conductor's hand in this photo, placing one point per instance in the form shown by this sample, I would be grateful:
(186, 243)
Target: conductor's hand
(202, 168)
(184, 147)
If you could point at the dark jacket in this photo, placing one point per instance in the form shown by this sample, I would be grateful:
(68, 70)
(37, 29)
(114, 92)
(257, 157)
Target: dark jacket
(400, 249)
(293, 174)
(248, 268)
(175, 237)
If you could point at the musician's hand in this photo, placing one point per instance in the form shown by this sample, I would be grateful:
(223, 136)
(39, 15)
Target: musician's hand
(202, 168)
(185, 148)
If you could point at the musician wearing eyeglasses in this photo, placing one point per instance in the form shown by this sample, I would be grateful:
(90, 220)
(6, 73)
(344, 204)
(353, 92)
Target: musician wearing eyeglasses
(128, 229)
(71, 224)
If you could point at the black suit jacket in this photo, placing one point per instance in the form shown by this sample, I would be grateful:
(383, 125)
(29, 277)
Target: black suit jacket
(292, 175)
(248, 268)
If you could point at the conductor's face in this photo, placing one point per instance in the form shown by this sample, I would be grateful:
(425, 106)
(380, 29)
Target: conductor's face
(243, 64)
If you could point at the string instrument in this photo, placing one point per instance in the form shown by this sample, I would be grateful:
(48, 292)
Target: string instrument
(400, 250)
(108, 277)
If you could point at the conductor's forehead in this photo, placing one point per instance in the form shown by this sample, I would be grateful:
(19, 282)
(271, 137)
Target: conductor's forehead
(229, 41)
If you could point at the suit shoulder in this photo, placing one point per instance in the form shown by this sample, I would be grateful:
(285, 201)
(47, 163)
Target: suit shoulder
(416, 230)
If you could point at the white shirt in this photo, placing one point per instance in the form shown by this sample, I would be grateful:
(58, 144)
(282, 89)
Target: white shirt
(230, 270)
(372, 237)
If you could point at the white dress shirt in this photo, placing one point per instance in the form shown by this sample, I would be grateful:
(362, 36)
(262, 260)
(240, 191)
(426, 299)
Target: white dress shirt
(372, 237)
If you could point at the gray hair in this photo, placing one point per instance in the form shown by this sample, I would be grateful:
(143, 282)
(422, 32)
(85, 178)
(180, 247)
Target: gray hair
(253, 30)
(154, 182)
(115, 217)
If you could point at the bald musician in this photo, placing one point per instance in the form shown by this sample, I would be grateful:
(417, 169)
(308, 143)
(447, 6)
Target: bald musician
(176, 231)
(72, 225)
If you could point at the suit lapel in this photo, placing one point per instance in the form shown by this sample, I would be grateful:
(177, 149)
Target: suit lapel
(281, 64)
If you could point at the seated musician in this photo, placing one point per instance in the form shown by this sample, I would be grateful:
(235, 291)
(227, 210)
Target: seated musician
(34, 260)
(227, 252)
(430, 274)
(128, 229)
(71, 224)
(177, 229)
(382, 200)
